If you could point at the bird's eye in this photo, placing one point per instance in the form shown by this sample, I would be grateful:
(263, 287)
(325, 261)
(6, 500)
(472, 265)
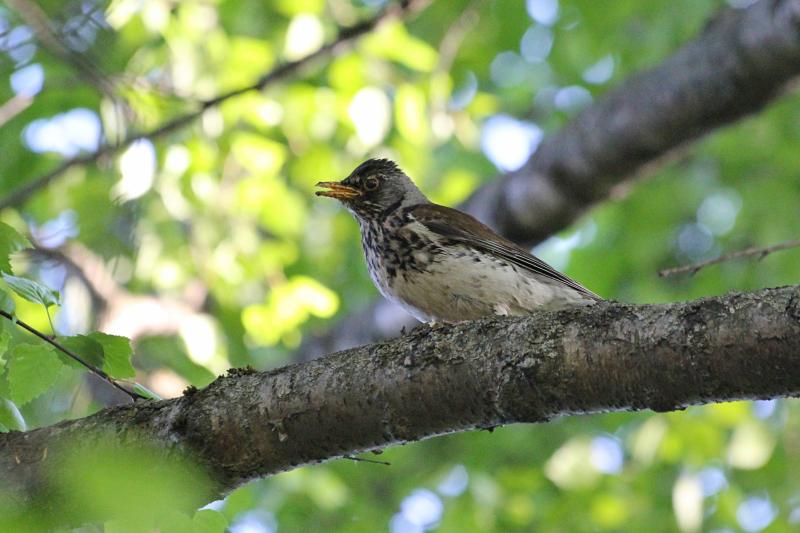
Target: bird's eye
(371, 184)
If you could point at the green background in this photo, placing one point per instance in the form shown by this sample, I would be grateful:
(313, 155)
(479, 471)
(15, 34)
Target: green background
(230, 213)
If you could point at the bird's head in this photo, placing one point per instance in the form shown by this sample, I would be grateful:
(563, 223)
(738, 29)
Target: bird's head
(375, 189)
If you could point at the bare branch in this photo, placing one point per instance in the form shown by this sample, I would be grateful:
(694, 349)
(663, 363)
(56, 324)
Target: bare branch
(13, 107)
(610, 357)
(346, 35)
(760, 251)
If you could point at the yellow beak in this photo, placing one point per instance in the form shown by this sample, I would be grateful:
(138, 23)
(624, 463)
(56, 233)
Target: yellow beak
(338, 190)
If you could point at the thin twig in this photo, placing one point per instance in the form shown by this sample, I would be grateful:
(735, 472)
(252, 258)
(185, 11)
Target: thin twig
(363, 460)
(455, 34)
(280, 72)
(55, 43)
(99, 372)
(13, 107)
(760, 251)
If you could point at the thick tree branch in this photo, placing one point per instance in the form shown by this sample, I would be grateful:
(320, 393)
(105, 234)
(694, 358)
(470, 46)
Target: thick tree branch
(281, 72)
(610, 357)
(741, 61)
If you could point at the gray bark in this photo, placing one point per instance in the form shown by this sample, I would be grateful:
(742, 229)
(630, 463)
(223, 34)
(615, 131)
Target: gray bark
(741, 61)
(610, 357)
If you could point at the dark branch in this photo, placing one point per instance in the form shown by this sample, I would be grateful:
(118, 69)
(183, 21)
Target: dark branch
(279, 73)
(611, 357)
(739, 63)
(760, 251)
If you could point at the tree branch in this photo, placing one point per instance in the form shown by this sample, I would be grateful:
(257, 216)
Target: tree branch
(611, 357)
(741, 61)
(280, 72)
(760, 251)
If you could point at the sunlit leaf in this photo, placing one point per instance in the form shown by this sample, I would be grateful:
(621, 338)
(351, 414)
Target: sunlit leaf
(289, 306)
(395, 43)
(293, 7)
(411, 114)
(258, 154)
(32, 291)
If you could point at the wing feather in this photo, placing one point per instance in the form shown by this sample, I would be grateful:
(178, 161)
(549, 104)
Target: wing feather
(469, 232)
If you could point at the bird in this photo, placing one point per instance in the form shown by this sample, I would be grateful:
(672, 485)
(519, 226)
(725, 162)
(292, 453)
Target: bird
(439, 264)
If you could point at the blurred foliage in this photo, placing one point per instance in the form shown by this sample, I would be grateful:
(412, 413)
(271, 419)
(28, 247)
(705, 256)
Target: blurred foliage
(225, 204)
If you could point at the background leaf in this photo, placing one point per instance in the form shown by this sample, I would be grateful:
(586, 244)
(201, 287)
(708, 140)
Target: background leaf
(5, 339)
(10, 241)
(209, 521)
(6, 303)
(32, 291)
(10, 417)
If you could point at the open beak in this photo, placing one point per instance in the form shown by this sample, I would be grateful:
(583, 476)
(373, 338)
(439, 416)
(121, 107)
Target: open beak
(337, 190)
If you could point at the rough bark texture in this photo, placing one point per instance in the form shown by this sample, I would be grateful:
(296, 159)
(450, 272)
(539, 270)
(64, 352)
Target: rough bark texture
(738, 64)
(470, 375)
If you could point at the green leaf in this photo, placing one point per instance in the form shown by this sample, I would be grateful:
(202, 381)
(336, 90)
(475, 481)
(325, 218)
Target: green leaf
(5, 339)
(10, 241)
(209, 521)
(117, 353)
(10, 417)
(175, 522)
(144, 391)
(32, 369)
(7, 303)
(84, 347)
(32, 291)
(204, 521)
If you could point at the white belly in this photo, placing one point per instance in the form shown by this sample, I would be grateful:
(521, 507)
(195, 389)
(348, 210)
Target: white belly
(467, 285)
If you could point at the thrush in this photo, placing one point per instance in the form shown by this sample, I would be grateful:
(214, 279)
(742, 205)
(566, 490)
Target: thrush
(439, 264)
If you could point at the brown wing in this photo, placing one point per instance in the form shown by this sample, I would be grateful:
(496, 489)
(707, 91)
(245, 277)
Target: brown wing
(468, 231)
